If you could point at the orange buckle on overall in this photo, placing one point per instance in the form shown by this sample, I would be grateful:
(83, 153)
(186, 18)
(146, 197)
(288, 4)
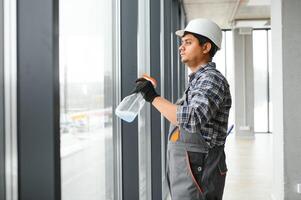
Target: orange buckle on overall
(175, 135)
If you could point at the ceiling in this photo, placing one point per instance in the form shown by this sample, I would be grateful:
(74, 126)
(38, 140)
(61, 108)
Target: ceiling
(231, 13)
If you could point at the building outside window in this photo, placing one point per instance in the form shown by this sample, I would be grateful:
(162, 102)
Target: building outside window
(86, 99)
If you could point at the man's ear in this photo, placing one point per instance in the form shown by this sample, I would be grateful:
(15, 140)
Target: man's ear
(207, 47)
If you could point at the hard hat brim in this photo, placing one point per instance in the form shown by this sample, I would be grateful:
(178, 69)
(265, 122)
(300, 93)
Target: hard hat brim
(180, 33)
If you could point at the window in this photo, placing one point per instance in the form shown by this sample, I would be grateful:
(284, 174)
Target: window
(261, 62)
(86, 99)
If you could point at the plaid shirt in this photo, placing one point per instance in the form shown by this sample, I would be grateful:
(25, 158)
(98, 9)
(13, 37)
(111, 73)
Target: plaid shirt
(208, 101)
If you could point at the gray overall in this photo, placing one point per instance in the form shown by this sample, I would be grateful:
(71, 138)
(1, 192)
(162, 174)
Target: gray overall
(194, 171)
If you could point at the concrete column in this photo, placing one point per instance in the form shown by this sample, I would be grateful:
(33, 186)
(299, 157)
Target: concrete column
(244, 84)
(286, 95)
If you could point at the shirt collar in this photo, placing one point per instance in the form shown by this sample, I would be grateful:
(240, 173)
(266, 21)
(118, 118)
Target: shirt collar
(195, 75)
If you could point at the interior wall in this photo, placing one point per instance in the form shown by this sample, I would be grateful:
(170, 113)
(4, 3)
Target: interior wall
(286, 95)
(292, 95)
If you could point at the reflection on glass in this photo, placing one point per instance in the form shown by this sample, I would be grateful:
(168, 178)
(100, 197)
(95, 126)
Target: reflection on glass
(260, 62)
(86, 99)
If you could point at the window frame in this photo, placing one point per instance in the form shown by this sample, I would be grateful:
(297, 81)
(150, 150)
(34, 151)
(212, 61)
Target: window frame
(9, 100)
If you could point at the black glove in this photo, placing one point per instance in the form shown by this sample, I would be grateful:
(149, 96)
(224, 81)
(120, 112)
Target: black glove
(146, 88)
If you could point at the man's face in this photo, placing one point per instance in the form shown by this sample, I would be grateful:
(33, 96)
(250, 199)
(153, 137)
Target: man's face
(190, 50)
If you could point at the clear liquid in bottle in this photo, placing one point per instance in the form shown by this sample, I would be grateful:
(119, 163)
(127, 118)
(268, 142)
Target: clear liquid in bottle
(129, 107)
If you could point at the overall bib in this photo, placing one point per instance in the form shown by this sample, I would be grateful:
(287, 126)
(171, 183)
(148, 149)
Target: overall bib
(194, 171)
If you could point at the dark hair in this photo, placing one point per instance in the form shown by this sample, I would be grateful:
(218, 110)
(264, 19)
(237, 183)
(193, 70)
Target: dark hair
(202, 40)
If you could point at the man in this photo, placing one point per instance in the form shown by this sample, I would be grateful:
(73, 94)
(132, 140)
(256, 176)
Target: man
(196, 165)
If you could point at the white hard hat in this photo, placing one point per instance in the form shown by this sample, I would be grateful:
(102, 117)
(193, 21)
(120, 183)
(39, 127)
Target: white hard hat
(204, 27)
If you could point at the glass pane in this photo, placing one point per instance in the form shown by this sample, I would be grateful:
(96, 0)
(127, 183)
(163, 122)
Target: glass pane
(86, 99)
(260, 62)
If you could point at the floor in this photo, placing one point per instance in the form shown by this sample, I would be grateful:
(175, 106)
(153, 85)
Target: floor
(250, 170)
